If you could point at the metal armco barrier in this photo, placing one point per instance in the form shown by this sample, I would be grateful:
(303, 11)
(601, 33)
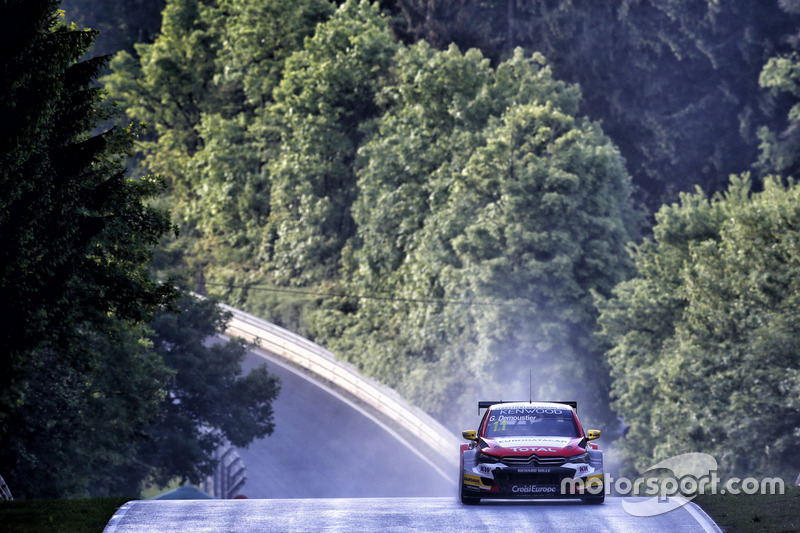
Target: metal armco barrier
(321, 362)
(5, 493)
(229, 476)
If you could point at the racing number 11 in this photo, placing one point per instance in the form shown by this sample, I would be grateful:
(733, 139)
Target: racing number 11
(503, 428)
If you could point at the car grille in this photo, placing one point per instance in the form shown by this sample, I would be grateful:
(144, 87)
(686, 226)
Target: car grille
(533, 460)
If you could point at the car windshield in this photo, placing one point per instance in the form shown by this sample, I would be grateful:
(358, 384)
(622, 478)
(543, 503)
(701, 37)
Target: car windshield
(539, 422)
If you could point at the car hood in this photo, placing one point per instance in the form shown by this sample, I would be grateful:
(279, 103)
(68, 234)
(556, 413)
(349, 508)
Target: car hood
(542, 446)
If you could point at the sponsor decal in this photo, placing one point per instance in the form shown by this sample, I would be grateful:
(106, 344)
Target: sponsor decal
(532, 411)
(583, 471)
(534, 470)
(485, 470)
(534, 489)
(475, 481)
(533, 442)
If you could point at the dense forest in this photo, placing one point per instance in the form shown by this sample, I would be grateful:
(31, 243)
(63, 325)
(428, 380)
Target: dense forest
(453, 193)
(100, 392)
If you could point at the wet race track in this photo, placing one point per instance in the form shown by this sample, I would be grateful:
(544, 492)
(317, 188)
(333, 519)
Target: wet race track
(392, 515)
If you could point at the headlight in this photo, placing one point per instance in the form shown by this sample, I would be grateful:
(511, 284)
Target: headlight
(486, 458)
(582, 458)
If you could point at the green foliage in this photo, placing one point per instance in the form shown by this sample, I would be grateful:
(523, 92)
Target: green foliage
(204, 87)
(467, 211)
(78, 427)
(258, 37)
(705, 340)
(152, 405)
(208, 401)
(169, 87)
(83, 396)
(76, 238)
(478, 185)
(327, 92)
(674, 82)
(779, 144)
(120, 24)
(363, 166)
(75, 234)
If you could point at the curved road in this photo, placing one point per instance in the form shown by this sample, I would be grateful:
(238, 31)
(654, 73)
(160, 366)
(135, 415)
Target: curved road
(325, 446)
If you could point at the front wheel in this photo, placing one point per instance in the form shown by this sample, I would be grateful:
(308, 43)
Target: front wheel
(469, 500)
(466, 497)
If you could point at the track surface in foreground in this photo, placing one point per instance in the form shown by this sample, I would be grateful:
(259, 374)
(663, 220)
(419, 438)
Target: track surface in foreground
(391, 514)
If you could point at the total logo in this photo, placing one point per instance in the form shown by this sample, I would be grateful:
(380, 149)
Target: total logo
(533, 449)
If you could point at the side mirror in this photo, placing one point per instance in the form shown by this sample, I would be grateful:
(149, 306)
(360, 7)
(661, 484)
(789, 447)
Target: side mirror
(593, 434)
(469, 435)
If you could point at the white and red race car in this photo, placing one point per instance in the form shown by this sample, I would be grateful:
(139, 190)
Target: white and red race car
(531, 450)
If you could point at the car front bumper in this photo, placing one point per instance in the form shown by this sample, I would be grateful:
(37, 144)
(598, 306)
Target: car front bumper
(532, 482)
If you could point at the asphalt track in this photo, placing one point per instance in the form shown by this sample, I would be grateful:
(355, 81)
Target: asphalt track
(332, 466)
(326, 446)
(393, 514)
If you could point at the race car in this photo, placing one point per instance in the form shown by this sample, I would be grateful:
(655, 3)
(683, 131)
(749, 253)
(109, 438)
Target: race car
(531, 450)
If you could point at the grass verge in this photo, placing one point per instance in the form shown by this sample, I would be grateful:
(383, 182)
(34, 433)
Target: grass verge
(763, 513)
(58, 516)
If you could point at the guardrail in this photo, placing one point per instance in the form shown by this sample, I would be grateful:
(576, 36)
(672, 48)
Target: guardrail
(229, 476)
(5, 494)
(321, 362)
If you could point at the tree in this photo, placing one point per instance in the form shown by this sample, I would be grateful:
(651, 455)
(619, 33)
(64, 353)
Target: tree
(704, 338)
(639, 322)
(694, 121)
(75, 234)
(81, 387)
(326, 94)
(675, 83)
(169, 86)
(487, 214)
(779, 146)
(779, 140)
(441, 23)
(204, 86)
(154, 405)
(230, 174)
(259, 37)
(120, 25)
(208, 401)
(79, 428)
(76, 238)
